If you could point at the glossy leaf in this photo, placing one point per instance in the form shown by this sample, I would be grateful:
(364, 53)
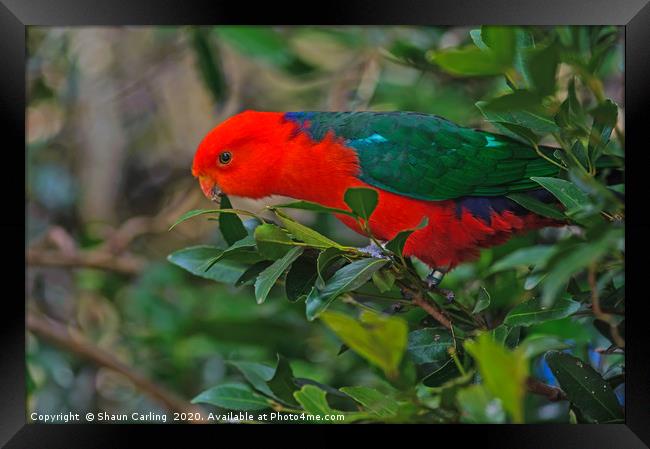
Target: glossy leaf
(524, 257)
(542, 66)
(585, 388)
(313, 207)
(193, 259)
(301, 278)
(536, 206)
(567, 192)
(479, 406)
(379, 339)
(537, 345)
(605, 116)
(504, 372)
(306, 234)
(469, 61)
(267, 278)
(231, 227)
(283, 384)
(429, 345)
(272, 241)
(373, 401)
(346, 279)
(483, 301)
(396, 244)
(361, 200)
(534, 311)
(313, 400)
(232, 396)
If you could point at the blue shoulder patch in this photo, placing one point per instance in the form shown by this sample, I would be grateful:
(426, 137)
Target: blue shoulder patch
(482, 206)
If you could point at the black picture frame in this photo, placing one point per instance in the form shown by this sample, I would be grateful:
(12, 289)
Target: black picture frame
(634, 15)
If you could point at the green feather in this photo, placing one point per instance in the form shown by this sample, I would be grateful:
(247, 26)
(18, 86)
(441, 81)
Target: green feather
(427, 157)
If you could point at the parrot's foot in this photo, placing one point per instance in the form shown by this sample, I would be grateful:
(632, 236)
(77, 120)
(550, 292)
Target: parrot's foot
(434, 279)
(374, 251)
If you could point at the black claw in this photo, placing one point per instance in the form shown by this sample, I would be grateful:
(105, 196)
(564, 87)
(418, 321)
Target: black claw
(434, 278)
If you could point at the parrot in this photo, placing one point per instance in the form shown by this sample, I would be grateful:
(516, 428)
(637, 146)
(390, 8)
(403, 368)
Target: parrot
(421, 165)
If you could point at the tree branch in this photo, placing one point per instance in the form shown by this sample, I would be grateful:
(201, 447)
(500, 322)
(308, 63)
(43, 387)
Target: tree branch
(125, 264)
(59, 335)
(430, 307)
(551, 393)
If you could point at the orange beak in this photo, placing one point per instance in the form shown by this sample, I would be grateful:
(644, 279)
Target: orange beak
(209, 188)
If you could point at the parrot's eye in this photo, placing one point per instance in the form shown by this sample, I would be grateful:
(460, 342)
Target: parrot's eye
(225, 157)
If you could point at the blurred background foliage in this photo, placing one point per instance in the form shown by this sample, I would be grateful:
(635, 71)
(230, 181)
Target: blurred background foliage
(114, 117)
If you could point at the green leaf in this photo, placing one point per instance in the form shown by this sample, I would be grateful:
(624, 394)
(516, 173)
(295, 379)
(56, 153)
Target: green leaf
(193, 259)
(569, 262)
(468, 61)
(521, 108)
(257, 374)
(396, 244)
(196, 212)
(361, 200)
(503, 372)
(305, 234)
(541, 67)
(429, 345)
(251, 273)
(209, 65)
(272, 241)
(313, 400)
(314, 207)
(264, 44)
(383, 280)
(232, 396)
(379, 339)
(571, 113)
(524, 257)
(325, 259)
(267, 278)
(483, 301)
(348, 278)
(230, 225)
(240, 247)
(372, 400)
(435, 375)
(282, 384)
(536, 345)
(585, 388)
(605, 116)
(502, 41)
(536, 206)
(533, 311)
(301, 278)
(567, 192)
(479, 406)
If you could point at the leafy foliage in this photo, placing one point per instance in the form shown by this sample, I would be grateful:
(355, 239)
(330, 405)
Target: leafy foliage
(347, 341)
(477, 370)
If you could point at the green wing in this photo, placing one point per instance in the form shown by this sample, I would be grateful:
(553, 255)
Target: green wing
(427, 157)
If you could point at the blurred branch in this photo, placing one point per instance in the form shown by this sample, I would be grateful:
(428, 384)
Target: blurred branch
(125, 264)
(59, 335)
(551, 393)
(431, 308)
(111, 255)
(598, 312)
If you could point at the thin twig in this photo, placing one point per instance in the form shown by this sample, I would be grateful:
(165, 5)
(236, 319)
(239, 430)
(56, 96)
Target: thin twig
(598, 312)
(431, 308)
(125, 264)
(59, 335)
(551, 393)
